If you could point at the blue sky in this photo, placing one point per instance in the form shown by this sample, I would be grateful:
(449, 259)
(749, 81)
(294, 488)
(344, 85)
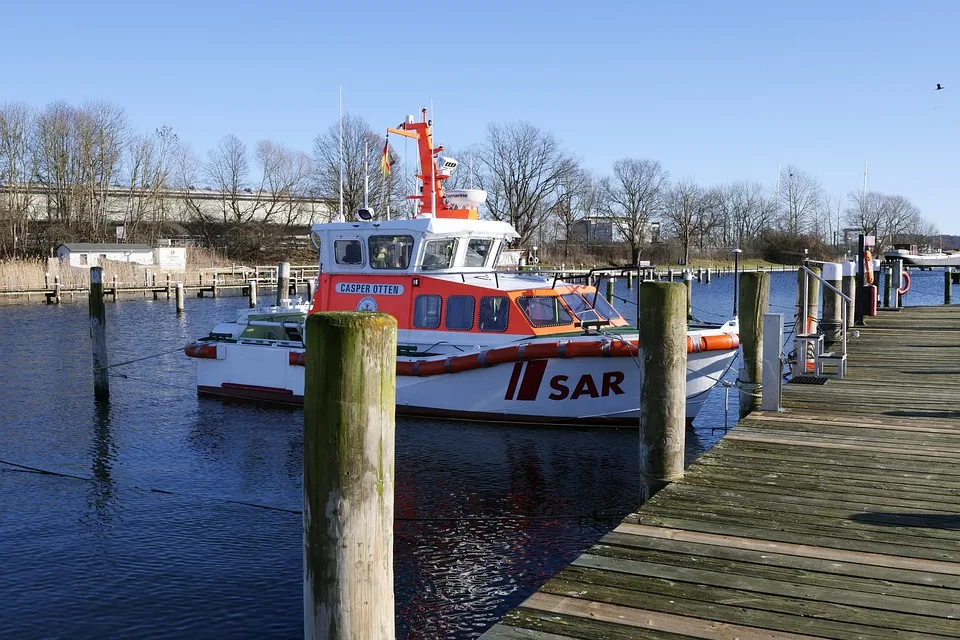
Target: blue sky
(715, 91)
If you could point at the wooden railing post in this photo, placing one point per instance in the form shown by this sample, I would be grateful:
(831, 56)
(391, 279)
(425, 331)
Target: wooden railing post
(98, 335)
(662, 333)
(754, 304)
(348, 475)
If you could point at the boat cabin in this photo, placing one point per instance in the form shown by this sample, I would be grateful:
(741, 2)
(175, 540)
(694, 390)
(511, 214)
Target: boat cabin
(439, 274)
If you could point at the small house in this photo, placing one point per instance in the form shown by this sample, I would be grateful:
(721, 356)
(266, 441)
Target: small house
(93, 254)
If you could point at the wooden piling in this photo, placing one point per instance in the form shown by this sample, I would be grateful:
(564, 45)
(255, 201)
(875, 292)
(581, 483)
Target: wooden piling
(848, 288)
(629, 280)
(947, 284)
(98, 335)
(57, 290)
(753, 305)
(283, 282)
(670, 275)
(699, 275)
(348, 476)
(688, 283)
(113, 289)
(610, 290)
(662, 337)
(252, 293)
(707, 275)
(832, 304)
(169, 287)
(200, 290)
(179, 297)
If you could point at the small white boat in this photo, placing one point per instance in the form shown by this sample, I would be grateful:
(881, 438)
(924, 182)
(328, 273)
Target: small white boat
(473, 342)
(913, 257)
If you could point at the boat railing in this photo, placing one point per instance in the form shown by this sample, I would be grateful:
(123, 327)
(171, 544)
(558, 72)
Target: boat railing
(803, 338)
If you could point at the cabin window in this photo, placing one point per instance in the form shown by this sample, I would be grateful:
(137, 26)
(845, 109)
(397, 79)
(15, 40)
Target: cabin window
(493, 313)
(348, 252)
(426, 312)
(390, 252)
(544, 311)
(83, 259)
(478, 250)
(460, 313)
(585, 312)
(438, 254)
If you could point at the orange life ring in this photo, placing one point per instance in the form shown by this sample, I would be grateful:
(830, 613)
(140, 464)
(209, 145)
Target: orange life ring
(906, 279)
(868, 267)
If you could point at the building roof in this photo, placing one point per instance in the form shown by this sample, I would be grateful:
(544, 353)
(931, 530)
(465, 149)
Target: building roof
(93, 247)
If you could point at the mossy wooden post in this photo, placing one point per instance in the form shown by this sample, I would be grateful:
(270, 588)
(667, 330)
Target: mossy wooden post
(348, 471)
(753, 305)
(179, 297)
(283, 282)
(98, 335)
(688, 283)
(610, 290)
(662, 333)
(252, 293)
(947, 284)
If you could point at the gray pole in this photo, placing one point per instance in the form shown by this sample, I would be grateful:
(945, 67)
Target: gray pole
(772, 381)
(179, 297)
(688, 283)
(283, 282)
(98, 334)
(662, 334)
(849, 289)
(754, 304)
(897, 282)
(887, 281)
(348, 476)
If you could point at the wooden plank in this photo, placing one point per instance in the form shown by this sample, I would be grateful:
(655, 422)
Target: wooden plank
(788, 548)
(635, 617)
(568, 626)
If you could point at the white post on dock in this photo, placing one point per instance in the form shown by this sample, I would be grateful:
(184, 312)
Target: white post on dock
(848, 288)
(772, 390)
(283, 282)
(897, 282)
(179, 297)
(832, 303)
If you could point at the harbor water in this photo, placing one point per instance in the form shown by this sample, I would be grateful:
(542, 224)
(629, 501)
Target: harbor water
(165, 515)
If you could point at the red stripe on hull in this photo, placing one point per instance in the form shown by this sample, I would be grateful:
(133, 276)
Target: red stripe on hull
(252, 392)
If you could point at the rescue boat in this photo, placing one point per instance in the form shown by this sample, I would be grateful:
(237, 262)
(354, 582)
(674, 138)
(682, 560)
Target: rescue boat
(473, 342)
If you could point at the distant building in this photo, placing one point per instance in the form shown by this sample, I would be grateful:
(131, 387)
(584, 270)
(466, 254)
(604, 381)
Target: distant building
(93, 254)
(602, 230)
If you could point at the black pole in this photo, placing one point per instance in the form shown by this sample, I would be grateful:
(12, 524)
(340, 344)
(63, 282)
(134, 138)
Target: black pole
(858, 294)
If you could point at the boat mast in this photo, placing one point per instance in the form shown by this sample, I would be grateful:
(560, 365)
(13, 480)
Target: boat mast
(366, 172)
(341, 154)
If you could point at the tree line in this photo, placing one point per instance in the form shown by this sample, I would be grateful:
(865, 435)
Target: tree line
(74, 172)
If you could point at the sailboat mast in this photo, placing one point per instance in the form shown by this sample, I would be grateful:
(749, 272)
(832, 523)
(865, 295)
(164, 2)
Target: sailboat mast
(340, 120)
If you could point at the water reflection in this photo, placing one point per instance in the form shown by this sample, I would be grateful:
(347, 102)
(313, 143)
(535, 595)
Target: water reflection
(103, 451)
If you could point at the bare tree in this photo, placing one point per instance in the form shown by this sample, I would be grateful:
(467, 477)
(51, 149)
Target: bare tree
(150, 161)
(284, 182)
(523, 171)
(362, 148)
(228, 170)
(800, 195)
(687, 210)
(744, 209)
(578, 197)
(18, 161)
(632, 197)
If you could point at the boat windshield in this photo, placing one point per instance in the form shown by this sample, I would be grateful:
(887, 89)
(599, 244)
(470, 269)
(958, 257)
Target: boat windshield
(587, 313)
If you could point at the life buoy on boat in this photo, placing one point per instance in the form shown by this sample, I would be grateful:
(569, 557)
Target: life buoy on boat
(906, 281)
(868, 267)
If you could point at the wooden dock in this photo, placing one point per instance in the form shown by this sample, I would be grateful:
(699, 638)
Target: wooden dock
(839, 518)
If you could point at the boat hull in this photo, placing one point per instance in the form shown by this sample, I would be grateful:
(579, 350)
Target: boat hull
(564, 391)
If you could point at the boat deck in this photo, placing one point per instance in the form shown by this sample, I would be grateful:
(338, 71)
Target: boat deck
(839, 518)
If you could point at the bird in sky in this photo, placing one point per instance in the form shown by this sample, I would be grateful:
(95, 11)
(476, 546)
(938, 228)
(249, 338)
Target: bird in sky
(939, 87)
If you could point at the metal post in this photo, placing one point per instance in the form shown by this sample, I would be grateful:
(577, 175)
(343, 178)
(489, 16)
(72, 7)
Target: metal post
(772, 390)
(858, 307)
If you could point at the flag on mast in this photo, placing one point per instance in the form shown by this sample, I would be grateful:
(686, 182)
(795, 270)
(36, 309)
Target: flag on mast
(385, 159)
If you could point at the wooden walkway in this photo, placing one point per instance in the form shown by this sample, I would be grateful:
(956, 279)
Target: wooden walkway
(839, 518)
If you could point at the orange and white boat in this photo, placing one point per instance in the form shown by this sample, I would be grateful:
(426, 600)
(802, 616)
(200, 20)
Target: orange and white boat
(473, 342)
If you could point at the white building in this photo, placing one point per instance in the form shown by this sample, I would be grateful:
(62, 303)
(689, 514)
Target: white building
(92, 254)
